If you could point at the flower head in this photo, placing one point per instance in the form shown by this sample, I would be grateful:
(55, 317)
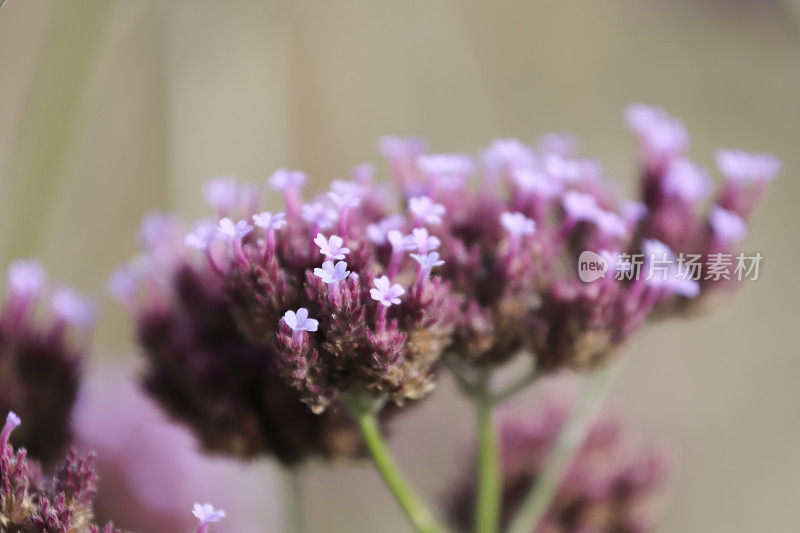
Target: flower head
(330, 273)
(536, 182)
(26, 277)
(517, 224)
(319, 214)
(299, 320)
(206, 513)
(33, 502)
(331, 247)
(662, 137)
(283, 179)
(745, 167)
(43, 339)
(222, 193)
(686, 181)
(377, 231)
(344, 199)
(612, 473)
(728, 226)
(421, 241)
(508, 154)
(72, 308)
(229, 230)
(201, 235)
(268, 221)
(580, 205)
(428, 261)
(385, 292)
(446, 165)
(425, 209)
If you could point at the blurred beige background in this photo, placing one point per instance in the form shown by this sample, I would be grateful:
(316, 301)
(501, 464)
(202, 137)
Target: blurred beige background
(109, 109)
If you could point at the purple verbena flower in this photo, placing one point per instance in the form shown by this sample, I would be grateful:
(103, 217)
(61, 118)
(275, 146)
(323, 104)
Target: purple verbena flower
(726, 225)
(517, 224)
(229, 230)
(332, 246)
(422, 241)
(426, 210)
(268, 221)
(330, 273)
(385, 292)
(206, 514)
(283, 179)
(299, 320)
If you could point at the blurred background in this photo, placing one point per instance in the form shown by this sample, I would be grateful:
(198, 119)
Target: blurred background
(109, 109)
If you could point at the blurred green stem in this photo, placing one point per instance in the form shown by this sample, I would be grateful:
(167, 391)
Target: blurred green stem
(292, 501)
(567, 445)
(488, 497)
(417, 513)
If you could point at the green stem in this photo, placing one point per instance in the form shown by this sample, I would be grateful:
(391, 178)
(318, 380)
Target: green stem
(569, 441)
(419, 516)
(292, 501)
(488, 497)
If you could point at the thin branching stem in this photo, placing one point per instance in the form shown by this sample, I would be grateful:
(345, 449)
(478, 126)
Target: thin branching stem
(417, 513)
(569, 441)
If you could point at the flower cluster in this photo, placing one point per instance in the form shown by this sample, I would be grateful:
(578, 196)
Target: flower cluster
(201, 367)
(511, 242)
(613, 484)
(364, 289)
(33, 503)
(43, 337)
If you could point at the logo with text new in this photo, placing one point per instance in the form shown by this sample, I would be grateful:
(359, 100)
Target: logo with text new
(591, 266)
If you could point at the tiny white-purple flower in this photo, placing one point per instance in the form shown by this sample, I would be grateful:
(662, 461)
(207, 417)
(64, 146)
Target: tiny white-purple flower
(610, 223)
(562, 168)
(228, 229)
(505, 154)
(344, 200)
(517, 224)
(727, 225)
(397, 240)
(284, 178)
(426, 209)
(268, 221)
(299, 320)
(428, 261)
(385, 292)
(332, 246)
(377, 232)
(26, 277)
(319, 215)
(686, 180)
(580, 205)
(536, 182)
(330, 273)
(744, 167)
(72, 308)
(440, 165)
(207, 514)
(661, 132)
(13, 420)
(633, 211)
(394, 147)
(563, 144)
(200, 236)
(122, 284)
(222, 193)
(421, 241)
